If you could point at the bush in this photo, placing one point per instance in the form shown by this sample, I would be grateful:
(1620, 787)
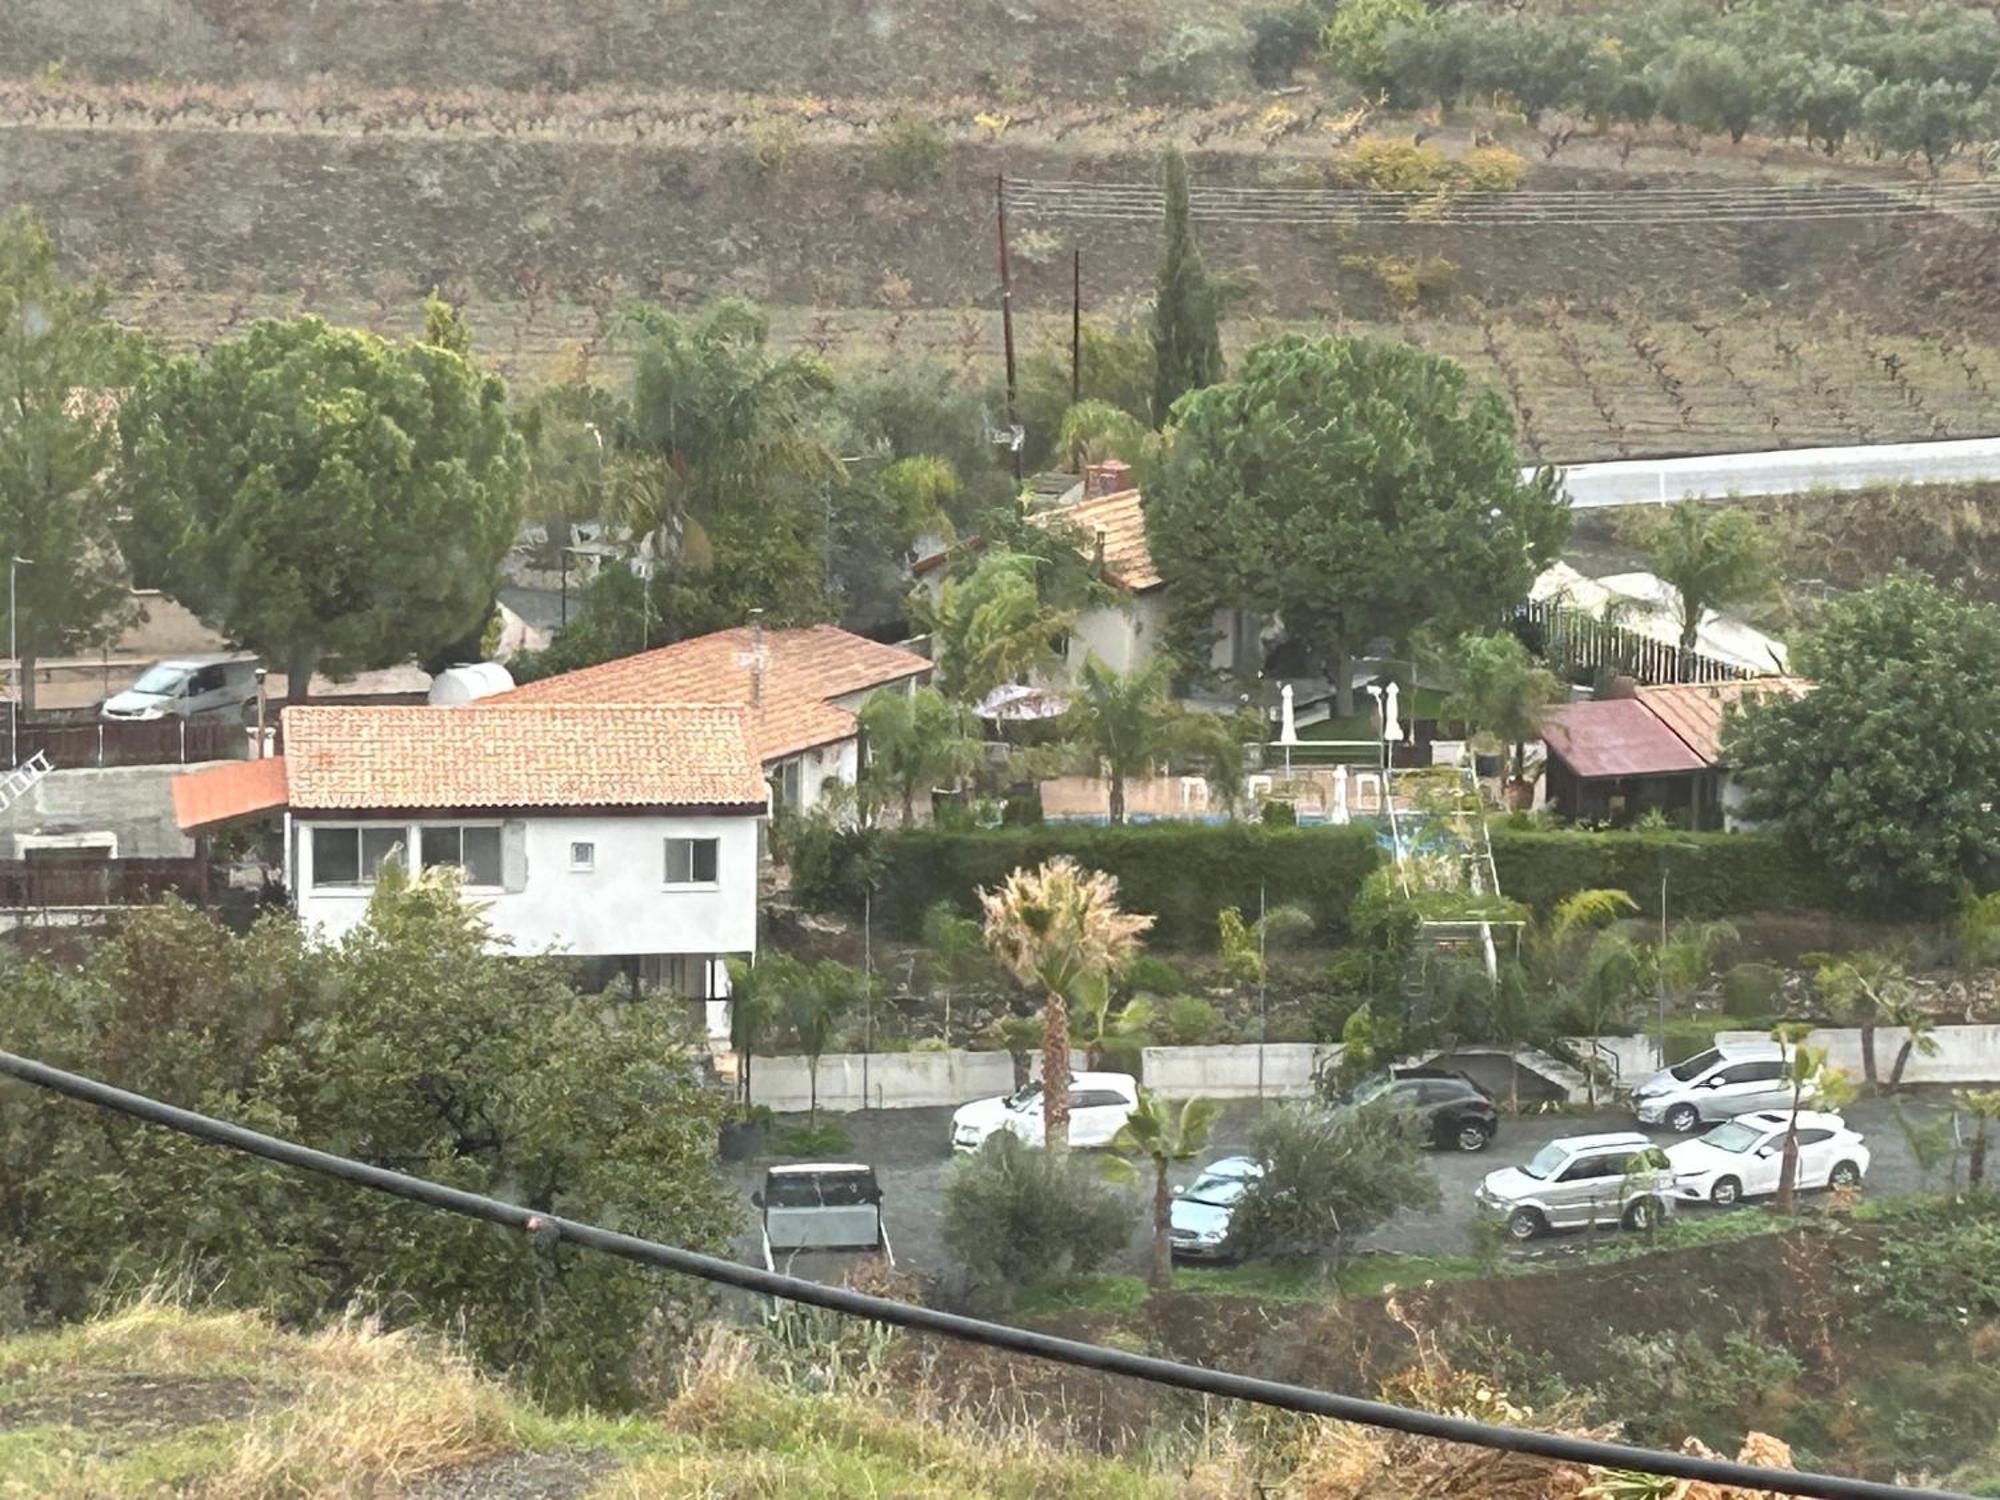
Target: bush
(1492, 169)
(1278, 815)
(1330, 1176)
(1281, 40)
(1183, 874)
(1752, 989)
(1014, 1214)
(1149, 974)
(1187, 1021)
(1194, 65)
(1389, 165)
(1708, 874)
(909, 153)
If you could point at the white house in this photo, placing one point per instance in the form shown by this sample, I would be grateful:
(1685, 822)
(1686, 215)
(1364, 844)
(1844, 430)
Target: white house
(798, 689)
(615, 832)
(1109, 527)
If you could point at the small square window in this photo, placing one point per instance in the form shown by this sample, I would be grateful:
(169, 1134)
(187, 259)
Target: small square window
(583, 857)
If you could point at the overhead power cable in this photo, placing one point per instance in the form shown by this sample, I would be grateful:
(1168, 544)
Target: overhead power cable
(1767, 203)
(548, 1229)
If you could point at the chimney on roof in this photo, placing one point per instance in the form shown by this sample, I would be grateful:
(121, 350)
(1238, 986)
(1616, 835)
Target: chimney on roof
(756, 658)
(1097, 554)
(1107, 478)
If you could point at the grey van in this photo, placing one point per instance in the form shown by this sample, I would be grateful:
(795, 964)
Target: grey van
(822, 1205)
(1580, 1181)
(186, 688)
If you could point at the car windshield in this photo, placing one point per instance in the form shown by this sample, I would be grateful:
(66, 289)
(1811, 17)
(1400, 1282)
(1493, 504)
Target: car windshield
(1371, 1088)
(160, 679)
(1024, 1098)
(1733, 1136)
(1212, 1188)
(1548, 1161)
(1695, 1066)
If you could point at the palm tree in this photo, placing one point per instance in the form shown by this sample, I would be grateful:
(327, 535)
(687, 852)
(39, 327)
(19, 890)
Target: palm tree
(992, 626)
(1153, 1132)
(1866, 990)
(955, 948)
(1094, 430)
(1805, 1067)
(1686, 960)
(1712, 556)
(1123, 723)
(1099, 1021)
(1217, 745)
(815, 1000)
(757, 997)
(914, 739)
(1501, 693)
(1051, 928)
(1599, 971)
(1984, 1107)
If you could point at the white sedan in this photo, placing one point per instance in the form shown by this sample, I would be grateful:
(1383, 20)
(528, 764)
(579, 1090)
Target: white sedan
(1741, 1158)
(1099, 1106)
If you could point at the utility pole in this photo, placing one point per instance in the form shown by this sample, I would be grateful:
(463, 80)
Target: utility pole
(1075, 326)
(1007, 316)
(1263, 1010)
(14, 655)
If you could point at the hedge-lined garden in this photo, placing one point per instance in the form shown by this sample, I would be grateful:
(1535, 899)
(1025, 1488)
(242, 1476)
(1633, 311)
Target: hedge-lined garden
(1185, 874)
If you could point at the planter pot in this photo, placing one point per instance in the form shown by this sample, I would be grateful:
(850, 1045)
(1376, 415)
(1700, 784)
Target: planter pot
(1520, 796)
(740, 1140)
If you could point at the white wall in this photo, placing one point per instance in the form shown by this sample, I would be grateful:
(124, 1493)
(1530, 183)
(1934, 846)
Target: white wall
(622, 906)
(1966, 1054)
(1231, 1072)
(896, 1080)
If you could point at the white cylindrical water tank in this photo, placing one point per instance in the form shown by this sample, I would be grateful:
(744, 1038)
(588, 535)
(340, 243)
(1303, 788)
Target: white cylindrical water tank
(468, 683)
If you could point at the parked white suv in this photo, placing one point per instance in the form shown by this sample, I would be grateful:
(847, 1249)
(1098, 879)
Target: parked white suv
(1581, 1180)
(186, 688)
(1730, 1079)
(1743, 1157)
(1099, 1105)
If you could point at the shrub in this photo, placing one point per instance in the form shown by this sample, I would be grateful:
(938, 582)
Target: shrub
(1492, 169)
(909, 153)
(1182, 874)
(1194, 65)
(823, 1141)
(1014, 1214)
(1408, 282)
(1708, 874)
(1281, 39)
(1329, 1177)
(1187, 1021)
(1751, 989)
(1389, 165)
(1279, 815)
(1149, 974)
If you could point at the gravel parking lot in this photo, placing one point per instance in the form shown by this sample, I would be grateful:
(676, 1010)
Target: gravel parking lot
(909, 1151)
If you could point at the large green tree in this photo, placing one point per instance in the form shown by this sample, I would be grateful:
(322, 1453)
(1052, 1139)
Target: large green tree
(61, 360)
(407, 1045)
(1121, 723)
(914, 740)
(1712, 556)
(1352, 487)
(322, 495)
(1187, 305)
(1889, 769)
(1500, 692)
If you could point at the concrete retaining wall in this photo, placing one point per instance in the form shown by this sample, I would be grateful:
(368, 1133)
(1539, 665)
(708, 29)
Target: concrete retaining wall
(895, 1080)
(1966, 1054)
(1231, 1072)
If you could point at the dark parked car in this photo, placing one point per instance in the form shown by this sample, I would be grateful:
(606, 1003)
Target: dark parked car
(1456, 1112)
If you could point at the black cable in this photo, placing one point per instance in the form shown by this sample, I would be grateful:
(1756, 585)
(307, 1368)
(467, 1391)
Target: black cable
(1559, 1447)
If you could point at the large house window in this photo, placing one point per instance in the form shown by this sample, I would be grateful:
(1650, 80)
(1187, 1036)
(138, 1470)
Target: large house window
(351, 856)
(691, 861)
(475, 849)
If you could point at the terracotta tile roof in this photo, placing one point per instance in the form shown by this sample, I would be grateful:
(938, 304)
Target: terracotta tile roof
(525, 755)
(1128, 562)
(804, 670)
(1694, 710)
(1615, 737)
(236, 789)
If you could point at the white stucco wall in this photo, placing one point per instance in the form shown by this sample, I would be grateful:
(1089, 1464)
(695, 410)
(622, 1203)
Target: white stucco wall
(621, 906)
(1965, 1054)
(895, 1080)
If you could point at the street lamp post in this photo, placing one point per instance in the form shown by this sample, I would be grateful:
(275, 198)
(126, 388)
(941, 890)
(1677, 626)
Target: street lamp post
(14, 655)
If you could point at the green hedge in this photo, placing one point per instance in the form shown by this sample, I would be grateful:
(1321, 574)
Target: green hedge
(1708, 874)
(1182, 874)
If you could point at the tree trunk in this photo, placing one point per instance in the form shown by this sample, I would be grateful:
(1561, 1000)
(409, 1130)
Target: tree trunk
(746, 1077)
(1343, 682)
(1975, 1163)
(1868, 1056)
(1788, 1168)
(909, 805)
(299, 669)
(1055, 1072)
(25, 674)
(812, 1090)
(1163, 1209)
(1117, 798)
(1902, 1060)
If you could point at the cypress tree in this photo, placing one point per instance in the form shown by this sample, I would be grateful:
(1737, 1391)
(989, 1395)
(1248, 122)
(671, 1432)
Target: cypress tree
(1187, 338)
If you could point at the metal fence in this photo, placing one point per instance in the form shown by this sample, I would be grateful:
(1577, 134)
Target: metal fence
(1572, 641)
(92, 880)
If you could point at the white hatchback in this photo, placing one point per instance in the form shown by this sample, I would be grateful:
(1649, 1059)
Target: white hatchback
(1730, 1079)
(1743, 1157)
(1099, 1106)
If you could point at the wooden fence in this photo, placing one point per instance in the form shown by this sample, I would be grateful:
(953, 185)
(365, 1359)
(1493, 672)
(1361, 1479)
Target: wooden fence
(92, 880)
(1574, 642)
(70, 744)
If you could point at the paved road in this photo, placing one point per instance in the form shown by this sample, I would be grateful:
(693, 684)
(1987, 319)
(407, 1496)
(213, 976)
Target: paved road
(1641, 481)
(908, 1150)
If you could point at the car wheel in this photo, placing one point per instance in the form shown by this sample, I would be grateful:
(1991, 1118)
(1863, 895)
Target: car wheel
(1472, 1136)
(1845, 1174)
(1727, 1192)
(1524, 1224)
(1682, 1118)
(1643, 1214)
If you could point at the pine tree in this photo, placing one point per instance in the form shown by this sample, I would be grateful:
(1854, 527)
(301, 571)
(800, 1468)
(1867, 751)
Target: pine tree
(1187, 338)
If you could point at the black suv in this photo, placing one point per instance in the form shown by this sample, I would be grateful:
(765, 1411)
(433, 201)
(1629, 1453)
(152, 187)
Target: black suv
(1455, 1111)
